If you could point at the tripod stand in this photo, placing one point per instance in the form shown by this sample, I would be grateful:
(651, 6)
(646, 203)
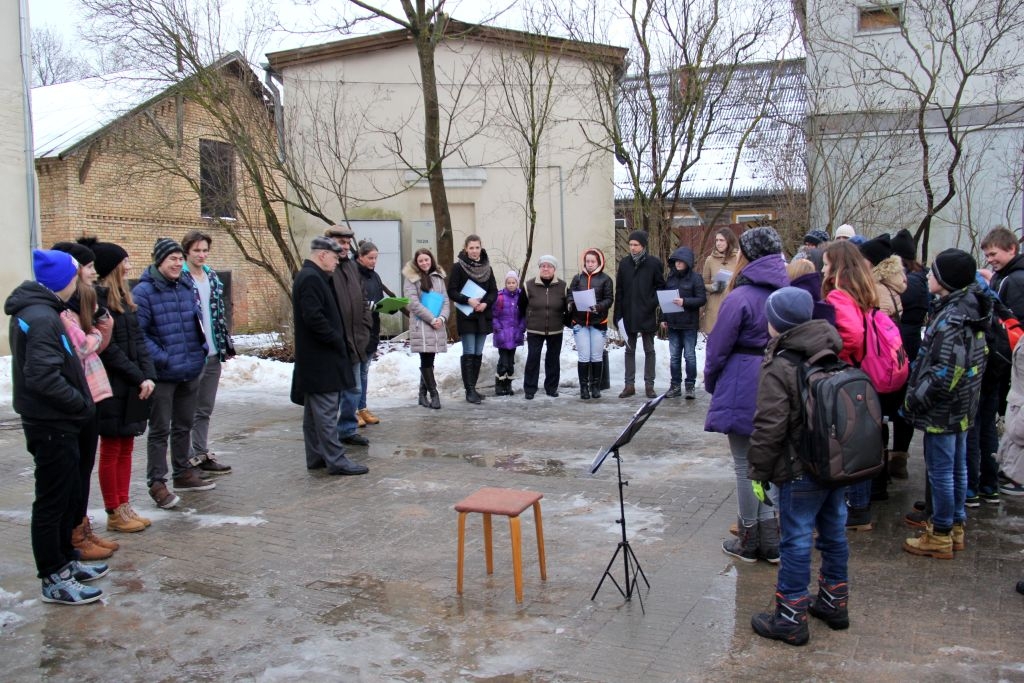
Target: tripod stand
(630, 564)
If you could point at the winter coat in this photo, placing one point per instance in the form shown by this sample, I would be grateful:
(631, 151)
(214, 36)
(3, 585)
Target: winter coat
(545, 306)
(422, 337)
(636, 293)
(218, 314)
(778, 421)
(715, 262)
(128, 366)
(509, 319)
(943, 391)
(915, 300)
(850, 324)
(474, 323)
(322, 363)
(1011, 446)
(890, 283)
(374, 288)
(1009, 285)
(690, 286)
(811, 283)
(170, 319)
(356, 319)
(736, 346)
(48, 383)
(604, 294)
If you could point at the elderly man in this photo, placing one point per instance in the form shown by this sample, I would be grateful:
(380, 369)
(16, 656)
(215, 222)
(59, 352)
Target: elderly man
(322, 366)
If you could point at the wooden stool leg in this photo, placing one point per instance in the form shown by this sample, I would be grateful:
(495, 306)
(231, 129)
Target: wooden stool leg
(462, 552)
(540, 541)
(488, 550)
(517, 556)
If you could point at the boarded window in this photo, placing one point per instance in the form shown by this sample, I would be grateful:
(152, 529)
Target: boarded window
(216, 179)
(879, 17)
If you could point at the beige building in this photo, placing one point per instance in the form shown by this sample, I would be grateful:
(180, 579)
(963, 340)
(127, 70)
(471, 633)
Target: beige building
(354, 123)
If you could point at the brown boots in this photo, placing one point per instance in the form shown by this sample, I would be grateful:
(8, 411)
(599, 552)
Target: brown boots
(90, 546)
(124, 519)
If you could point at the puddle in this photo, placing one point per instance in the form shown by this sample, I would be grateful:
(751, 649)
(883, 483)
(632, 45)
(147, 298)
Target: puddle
(509, 462)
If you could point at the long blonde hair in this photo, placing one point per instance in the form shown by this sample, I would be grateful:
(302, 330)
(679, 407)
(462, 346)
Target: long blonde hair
(849, 272)
(119, 298)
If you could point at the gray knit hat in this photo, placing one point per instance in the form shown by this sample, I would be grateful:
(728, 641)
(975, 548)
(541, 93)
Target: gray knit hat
(788, 307)
(758, 242)
(163, 248)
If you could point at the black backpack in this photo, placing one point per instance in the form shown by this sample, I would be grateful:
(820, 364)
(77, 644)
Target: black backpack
(841, 441)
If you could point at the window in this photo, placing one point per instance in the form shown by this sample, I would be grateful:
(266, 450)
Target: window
(753, 217)
(879, 17)
(216, 179)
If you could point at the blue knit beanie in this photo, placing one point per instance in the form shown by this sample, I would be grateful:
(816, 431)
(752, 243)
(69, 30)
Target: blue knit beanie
(54, 269)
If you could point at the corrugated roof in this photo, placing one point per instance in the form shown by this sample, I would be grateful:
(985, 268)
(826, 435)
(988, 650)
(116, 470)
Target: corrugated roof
(772, 157)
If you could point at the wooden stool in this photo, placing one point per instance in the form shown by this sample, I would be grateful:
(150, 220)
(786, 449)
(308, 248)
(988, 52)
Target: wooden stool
(511, 503)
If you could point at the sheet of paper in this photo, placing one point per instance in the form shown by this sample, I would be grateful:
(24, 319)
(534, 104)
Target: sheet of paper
(665, 297)
(470, 290)
(584, 300)
(622, 333)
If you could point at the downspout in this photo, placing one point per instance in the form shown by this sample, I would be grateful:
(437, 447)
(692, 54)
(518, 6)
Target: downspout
(269, 74)
(561, 218)
(31, 190)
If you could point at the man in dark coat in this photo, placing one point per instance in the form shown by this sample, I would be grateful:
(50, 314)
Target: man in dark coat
(636, 302)
(322, 366)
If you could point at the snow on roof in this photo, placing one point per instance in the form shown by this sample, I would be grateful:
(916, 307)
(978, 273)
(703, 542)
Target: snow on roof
(65, 114)
(772, 157)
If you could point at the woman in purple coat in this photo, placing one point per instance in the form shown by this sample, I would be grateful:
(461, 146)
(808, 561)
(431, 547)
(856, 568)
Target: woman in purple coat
(509, 327)
(733, 360)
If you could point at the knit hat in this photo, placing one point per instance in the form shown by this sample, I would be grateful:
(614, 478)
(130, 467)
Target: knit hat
(758, 242)
(54, 269)
(954, 269)
(903, 245)
(639, 236)
(820, 234)
(858, 240)
(877, 249)
(511, 274)
(163, 248)
(339, 231)
(84, 255)
(549, 259)
(788, 307)
(813, 239)
(326, 244)
(108, 257)
(845, 230)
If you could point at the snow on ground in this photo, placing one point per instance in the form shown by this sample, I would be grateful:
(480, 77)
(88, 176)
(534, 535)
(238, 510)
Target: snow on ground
(396, 372)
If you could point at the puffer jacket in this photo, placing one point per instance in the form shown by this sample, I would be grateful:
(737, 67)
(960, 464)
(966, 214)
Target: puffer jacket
(48, 382)
(474, 323)
(128, 366)
(778, 421)
(890, 283)
(422, 337)
(945, 379)
(604, 293)
(736, 347)
(545, 306)
(171, 321)
(850, 323)
(1011, 446)
(690, 286)
(509, 321)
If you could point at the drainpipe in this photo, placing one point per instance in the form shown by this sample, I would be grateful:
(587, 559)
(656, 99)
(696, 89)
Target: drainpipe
(29, 148)
(561, 218)
(278, 111)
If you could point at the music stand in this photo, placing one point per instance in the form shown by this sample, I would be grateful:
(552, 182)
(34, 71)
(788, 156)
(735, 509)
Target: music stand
(629, 561)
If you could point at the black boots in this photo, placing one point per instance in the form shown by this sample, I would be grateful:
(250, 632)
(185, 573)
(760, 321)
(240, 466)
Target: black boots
(470, 373)
(503, 385)
(788, 623)
(584, 374)
(429, 384)
(595, 379)
(744, 546)
(830, 605)
(768, 540)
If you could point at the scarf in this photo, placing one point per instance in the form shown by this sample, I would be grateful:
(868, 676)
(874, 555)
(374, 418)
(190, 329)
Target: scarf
(638, 258)
(478, 271)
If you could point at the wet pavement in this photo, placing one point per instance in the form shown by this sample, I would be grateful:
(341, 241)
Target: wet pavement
(280, 574)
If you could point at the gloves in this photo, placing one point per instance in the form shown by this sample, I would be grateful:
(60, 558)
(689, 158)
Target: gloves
(761, 489)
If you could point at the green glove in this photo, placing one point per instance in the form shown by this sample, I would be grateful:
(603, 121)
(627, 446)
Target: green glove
(761, 489)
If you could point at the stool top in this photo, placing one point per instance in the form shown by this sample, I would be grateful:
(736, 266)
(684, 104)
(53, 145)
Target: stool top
(510, 502)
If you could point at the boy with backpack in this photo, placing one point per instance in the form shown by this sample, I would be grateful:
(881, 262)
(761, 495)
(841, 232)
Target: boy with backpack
(943, 395)
(775, 456)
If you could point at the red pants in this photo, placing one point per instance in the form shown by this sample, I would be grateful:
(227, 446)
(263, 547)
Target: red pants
(115, 469)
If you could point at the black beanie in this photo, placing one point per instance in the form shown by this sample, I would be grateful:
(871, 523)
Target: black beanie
(877, 249)
(954, 269)
(84, 255)
(903, 245)
(640, 236)
(108, 256)
(163, 248)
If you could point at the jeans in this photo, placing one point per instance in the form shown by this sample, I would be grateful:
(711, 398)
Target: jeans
(750, 508)
(172, 414)
(54, 515)
(348, 424)
(983, 443)
(682, 342)
(589, 343)
(364, 374)
(209, 380)
(859, 494)
(649, 359)
(472, 344)
(945, 458)
(804, 506)
(552, 365)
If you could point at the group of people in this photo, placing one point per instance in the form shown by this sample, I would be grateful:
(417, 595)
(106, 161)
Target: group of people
(94, 364)
(822, 303)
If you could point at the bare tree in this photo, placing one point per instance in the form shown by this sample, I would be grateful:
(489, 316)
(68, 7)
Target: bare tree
(53, 62)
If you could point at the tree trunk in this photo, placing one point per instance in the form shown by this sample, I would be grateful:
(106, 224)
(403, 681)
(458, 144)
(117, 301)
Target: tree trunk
(432, 150)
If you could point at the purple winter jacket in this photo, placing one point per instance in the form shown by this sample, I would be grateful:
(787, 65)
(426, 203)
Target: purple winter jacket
(509, 322)
(736, 347)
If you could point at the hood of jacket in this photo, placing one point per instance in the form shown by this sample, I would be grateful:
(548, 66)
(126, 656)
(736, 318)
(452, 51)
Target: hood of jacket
(767, 271)
(600, 260)
(807, 339)
(971, 304)
(30, 293)
(890, 273)
(684, 254)
(411, 272)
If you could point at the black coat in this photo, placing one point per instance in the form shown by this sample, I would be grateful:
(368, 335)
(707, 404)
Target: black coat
(474, 323)
(322, 364)
(1008, 283)
(636, 293)
(603, 288)
(128, 365)
(374, 288)
(690, 285)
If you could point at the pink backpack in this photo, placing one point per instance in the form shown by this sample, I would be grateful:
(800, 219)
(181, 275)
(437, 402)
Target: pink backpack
(885, 360)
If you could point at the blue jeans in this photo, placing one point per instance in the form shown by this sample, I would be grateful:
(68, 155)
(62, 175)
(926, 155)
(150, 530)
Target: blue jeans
(859, 494)
(803, 506)
(364, 372)
(473, 344)
(347, 422)
(945, 458)
(682, 342)
(589, 343)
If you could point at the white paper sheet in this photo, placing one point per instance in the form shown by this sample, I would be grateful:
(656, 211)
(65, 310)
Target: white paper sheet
(665, 297)
(584, 300)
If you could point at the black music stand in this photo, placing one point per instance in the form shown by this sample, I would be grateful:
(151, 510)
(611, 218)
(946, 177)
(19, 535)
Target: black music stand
(630, 564)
